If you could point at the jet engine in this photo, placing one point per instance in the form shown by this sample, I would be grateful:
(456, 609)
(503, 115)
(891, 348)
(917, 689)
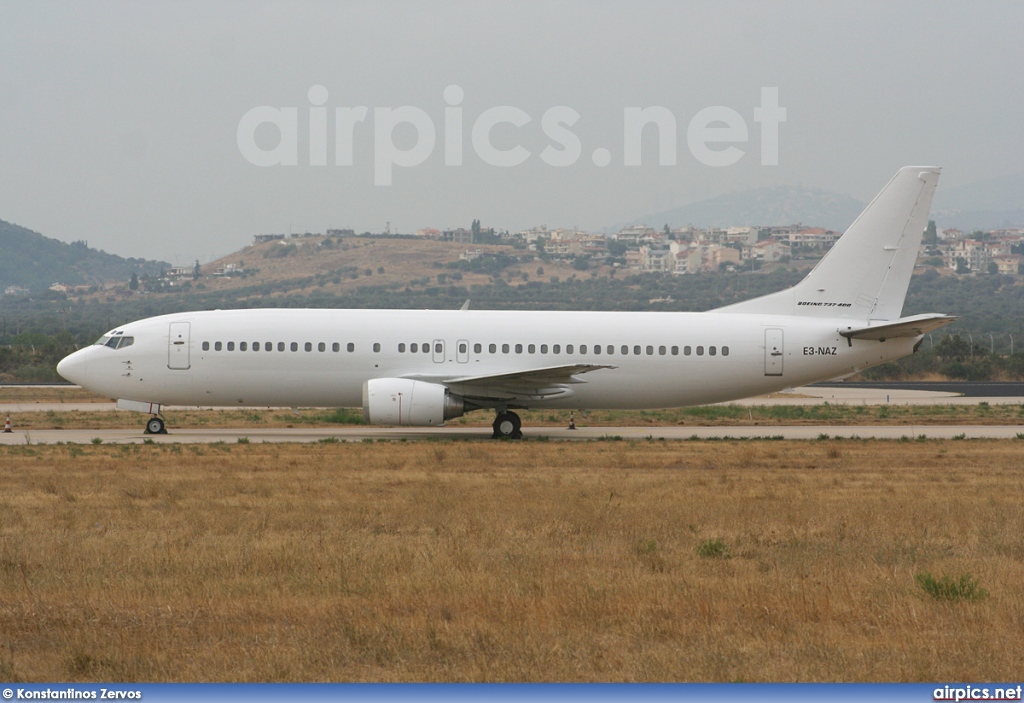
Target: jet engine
(401, 401)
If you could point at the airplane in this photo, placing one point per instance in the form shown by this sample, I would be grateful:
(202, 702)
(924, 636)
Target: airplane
(425, 367)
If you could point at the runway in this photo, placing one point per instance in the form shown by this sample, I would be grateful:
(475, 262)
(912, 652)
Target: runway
(554, 434)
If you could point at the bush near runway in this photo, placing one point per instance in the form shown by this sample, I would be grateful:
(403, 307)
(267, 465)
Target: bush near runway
(460, 561)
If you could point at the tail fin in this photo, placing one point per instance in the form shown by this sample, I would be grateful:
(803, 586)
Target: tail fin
(866, 274)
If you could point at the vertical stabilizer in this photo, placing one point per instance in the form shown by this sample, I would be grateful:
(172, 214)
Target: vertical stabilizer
(866, 274)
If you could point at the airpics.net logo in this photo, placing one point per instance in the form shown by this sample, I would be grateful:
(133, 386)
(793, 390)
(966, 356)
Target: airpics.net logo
(714, 135)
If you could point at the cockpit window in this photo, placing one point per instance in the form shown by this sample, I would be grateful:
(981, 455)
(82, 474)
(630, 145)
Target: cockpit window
(102, 341)
(118, 342)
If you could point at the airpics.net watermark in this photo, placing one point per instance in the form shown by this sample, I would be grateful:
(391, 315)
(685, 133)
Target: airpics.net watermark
(712, 134)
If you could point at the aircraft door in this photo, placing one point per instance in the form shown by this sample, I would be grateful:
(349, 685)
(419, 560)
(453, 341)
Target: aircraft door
(773, 351)
(462, 351)
(178, 343)
(438, 351)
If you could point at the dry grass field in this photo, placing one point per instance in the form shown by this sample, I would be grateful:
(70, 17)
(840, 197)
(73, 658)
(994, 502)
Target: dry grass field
(468, 561)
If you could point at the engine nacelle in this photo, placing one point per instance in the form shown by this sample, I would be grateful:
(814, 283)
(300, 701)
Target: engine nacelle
(401, 401)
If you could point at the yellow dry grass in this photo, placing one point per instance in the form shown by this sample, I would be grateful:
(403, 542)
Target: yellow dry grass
(509, 561)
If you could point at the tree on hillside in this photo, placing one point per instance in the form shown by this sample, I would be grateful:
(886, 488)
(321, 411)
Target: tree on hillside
(133, 284)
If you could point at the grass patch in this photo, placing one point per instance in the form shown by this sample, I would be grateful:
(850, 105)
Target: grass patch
(962, 587)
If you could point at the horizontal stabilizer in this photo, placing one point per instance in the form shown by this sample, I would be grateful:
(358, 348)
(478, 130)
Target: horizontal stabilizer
(914, 326)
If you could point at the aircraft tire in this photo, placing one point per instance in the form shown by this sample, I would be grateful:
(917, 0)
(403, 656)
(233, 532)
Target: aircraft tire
(155, 425)
(507, 425)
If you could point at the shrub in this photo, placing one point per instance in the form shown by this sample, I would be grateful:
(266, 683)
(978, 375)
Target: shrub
(964, 587)
(713, 549)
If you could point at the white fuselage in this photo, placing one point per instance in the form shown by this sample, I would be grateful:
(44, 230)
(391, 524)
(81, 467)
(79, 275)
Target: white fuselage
(322, 358)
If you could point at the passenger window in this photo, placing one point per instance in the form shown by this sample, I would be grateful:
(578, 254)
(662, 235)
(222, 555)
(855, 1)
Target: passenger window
(426, 347)
(463, 348)
(308, 346)
(700, 351)
(206, 346)
(725, 351)
(255, 346)
(322, 346)
(583, 349)
(414, 347)
(242, 346)
(532, 349)
(217, 346)
(611, 349)
(280, 346)
(636, 350)
(597, 349)
(662, 350)
(686, 350)
(519, 349)
(351, 346)
(477, 348)
(650, 350)
(438, 348)
(556, 349)
(231, 346)
(336, 347)
(543, 348)
(492, 348)
(268, 346)
(675, 351)
(401, 348)
(376, 346)
(711, 351)
(294, 346)
(504, 349)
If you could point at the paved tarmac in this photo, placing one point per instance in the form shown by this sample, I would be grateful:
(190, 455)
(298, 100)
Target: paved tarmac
(361, 434)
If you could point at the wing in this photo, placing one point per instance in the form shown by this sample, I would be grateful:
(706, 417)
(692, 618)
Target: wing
(913, 326)
(530, 384)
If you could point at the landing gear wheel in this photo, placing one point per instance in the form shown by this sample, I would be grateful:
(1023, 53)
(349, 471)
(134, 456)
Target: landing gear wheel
(155, 425)
(507, 425)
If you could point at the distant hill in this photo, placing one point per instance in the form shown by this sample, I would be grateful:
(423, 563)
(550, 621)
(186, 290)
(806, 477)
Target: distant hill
(992, 204)
(781, 205)
(32, 261)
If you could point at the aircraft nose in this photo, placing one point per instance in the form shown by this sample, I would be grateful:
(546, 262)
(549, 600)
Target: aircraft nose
(73, 366)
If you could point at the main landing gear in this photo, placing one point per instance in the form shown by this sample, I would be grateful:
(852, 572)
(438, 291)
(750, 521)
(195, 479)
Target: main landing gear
(155, 425)
(507, 425)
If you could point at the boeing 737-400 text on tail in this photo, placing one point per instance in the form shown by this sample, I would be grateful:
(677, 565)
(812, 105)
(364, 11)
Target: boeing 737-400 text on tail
(423, 367)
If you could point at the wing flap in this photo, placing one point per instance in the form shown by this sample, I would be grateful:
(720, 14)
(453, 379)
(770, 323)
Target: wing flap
(913, 326)
(533, 384)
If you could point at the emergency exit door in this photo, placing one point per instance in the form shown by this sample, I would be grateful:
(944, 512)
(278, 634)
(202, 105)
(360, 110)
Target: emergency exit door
(178, 344)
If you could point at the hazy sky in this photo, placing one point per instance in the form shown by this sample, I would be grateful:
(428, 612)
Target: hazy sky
(119, 121)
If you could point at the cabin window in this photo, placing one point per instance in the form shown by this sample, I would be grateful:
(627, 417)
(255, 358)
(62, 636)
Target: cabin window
(675, 351)
(477, 348)
(280, 346)
(351, 346)
(712, 351)
(242, 346)
(401, 348)
(583, 349)
(425, 347)
(662, 350)
(376, 346)
(650, 350)
(231, 346)
(504, 349)
(610, 349)
(268, 346)
(700, 351)
(336, 347)
(217, 346)
(206, 346)
(294, 346)
(463, 348)
(438, 348)
(322, 346)
(597, 349)
(519, 349)
(414, 347)
(532, 349)
(725, 351)
(492, 348)
(624, 350)
(543, 348)
(308, 346)
(687, 350)
(556, 349)
(636, 350)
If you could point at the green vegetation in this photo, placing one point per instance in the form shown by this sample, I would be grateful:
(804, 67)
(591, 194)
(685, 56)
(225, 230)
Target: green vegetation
(964, 587)
(713, 549)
